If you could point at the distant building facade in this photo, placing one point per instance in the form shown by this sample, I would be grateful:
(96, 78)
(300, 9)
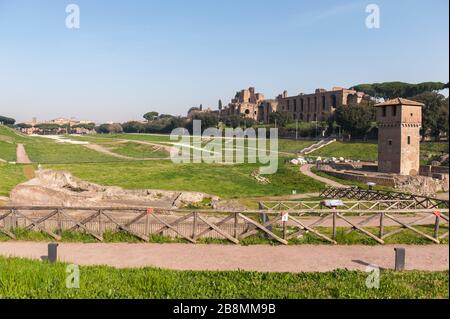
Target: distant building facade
(303, 107)
(199, 110)
(399, 123)
(318, 105)
(246, 103)
(58, 126)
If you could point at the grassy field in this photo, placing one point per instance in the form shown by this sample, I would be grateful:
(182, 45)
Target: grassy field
(349, 150)
(284, 145)
(349, 182)
(43, 150)
(26, 279)
(10, 176)
(223, 180)
(368, 151)
(434, 147)
(7, 150)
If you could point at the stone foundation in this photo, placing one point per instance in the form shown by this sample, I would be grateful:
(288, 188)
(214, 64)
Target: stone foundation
(420, 185)
(59, 188)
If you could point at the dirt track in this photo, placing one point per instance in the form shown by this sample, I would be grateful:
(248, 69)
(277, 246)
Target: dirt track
(306, 170)
(21, 154)
(265, 258)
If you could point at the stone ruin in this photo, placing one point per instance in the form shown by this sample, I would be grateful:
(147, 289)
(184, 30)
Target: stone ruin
(365, 172)
(60, 188)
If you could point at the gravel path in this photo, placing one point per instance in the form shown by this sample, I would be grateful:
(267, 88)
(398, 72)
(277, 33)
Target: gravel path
(265, 258)
(306, 170)
(21, 154)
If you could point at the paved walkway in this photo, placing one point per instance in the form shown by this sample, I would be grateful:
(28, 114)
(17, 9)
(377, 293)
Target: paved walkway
(21, 154)
(306, 170)
(265, 258)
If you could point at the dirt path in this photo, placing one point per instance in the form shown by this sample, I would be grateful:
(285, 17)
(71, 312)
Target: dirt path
(103, 150)
(304, 258)
(306, 170)
(21, 154)
(285, 197)
(443, 196)
(165, 147)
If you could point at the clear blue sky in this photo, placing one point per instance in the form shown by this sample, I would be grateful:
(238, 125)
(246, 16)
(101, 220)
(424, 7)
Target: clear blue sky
(134, 56)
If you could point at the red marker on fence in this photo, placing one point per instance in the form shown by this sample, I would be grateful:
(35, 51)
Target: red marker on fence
(284, 216)
(437, 213)
(150, 211)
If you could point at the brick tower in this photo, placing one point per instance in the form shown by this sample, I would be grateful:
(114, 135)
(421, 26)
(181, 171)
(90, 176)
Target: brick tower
(399, 122)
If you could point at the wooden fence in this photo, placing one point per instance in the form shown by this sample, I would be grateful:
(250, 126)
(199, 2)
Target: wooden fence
(193, 225)
(348, 205)
(375, 195)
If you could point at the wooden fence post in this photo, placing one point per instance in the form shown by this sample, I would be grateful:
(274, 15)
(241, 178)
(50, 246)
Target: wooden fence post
(236, 226)
(334, 224)
(59, 222)
(381, 225)
(194, 226)
(147, 224)
(100, 223)
(436, 226)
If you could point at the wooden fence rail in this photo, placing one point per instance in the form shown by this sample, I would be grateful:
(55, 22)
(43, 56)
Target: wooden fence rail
(347, 204)
(193, 225)
(376, 195)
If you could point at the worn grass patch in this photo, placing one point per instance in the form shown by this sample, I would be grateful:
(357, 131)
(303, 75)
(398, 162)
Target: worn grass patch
(27, 279)
(223, 180)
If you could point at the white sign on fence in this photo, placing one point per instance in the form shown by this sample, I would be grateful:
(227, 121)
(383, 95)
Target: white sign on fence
(284, 216)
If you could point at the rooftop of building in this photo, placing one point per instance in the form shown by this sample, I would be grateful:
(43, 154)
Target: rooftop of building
(400, 101)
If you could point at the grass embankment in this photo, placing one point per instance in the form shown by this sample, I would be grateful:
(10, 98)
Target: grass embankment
(350, 150)
(10, 176)
(227, 181)
(124, 147)
(43, 150)
(8, 143)
(27, 279)
(368, 151)
(432, 151)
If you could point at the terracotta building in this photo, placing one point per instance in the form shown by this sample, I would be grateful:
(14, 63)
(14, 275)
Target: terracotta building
(316, 106)
(304, 107)
(399, 122)
(245, 103)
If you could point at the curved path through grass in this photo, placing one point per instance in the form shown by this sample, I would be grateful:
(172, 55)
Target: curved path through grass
(306, 170)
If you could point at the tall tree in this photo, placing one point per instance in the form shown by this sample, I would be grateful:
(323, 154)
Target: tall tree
(7, 120)
(280, 118)
(434, 113)
(355, 119)
(150, 116)
(391, 90)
